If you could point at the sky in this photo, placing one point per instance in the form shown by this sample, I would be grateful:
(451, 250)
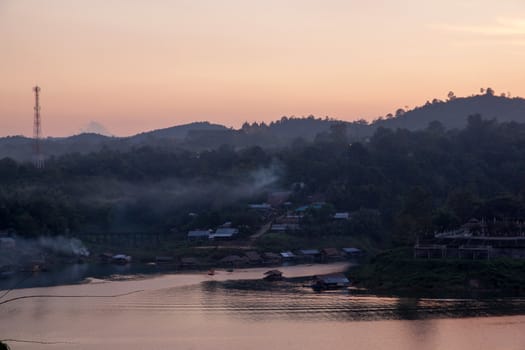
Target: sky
(128, 66)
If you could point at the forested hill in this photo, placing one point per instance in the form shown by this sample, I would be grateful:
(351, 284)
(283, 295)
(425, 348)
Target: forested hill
(454, 112)
(199, 136)
(399, 184)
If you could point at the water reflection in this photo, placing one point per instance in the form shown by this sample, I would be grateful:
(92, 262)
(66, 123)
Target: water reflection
(305, 305)
(212, 316)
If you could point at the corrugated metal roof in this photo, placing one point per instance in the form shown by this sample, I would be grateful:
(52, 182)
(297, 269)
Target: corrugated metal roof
(287, 254)
(351, 250)
(310, 251)
(198, 233)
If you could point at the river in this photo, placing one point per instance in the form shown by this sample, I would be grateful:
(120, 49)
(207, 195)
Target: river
(195, 311)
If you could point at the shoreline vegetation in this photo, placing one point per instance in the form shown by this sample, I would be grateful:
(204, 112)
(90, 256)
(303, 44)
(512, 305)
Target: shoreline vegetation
(397, 272)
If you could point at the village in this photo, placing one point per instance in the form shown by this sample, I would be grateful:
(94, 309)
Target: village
(225, 246)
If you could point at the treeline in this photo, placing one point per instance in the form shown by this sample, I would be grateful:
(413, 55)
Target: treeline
(400, 183)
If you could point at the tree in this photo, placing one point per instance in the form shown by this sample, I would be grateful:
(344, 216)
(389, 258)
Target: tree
(338, 133)
(451, 96)
(400, 112)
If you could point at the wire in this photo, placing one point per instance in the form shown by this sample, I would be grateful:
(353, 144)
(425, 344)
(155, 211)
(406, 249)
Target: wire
(69, 296)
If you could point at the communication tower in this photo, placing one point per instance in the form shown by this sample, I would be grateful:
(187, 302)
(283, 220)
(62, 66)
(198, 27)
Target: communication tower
(38, 158)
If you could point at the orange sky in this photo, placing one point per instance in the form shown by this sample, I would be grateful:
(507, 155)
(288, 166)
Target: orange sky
(139, 65)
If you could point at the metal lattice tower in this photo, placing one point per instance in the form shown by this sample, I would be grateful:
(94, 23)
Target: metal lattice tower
(37, 131)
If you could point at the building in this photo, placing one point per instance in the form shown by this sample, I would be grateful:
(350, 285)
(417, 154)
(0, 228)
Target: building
(342, 216)
(334, 281)
(199, 235)
(310, 254)
(330, 254)
(224, 233)
(288, 255)
(352, 252)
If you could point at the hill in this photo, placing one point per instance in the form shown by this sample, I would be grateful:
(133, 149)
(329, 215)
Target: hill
(198, 136)
(453, 113)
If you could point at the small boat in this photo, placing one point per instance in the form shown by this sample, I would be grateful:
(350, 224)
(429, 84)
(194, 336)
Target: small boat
(273, 275)
(211, 272)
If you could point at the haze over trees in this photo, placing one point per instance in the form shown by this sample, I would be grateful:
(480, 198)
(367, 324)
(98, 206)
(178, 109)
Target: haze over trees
(399, 183)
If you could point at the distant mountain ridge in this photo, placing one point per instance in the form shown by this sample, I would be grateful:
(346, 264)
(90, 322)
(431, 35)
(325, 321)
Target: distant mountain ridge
(452, 114)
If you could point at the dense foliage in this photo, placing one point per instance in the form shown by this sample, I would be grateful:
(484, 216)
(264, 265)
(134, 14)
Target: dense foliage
(400, 183)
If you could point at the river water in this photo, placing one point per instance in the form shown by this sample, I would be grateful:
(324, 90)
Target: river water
(195, 311)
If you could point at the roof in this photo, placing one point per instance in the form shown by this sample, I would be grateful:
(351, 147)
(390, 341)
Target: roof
(331, 251)
(287, 254)
(303, 208)
(189, 261)
(262, 206)
(309, 251)
(338, 278)
(226, 232)
(351, 250)
(343, 215)
(121, 256)
(199, 233)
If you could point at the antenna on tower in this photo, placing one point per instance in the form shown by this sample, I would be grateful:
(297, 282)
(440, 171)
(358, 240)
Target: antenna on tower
(38, 159)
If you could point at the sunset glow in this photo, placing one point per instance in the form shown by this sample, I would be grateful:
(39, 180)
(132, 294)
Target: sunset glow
(140, 65)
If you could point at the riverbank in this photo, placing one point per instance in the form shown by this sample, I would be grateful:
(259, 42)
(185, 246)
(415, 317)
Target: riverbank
(397, 272)
(138, 283)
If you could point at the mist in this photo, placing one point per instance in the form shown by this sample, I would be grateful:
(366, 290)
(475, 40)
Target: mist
(23, 252)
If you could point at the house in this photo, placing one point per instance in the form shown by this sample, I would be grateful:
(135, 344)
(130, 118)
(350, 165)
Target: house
(352, 252)
(310, 254)
(342, 216)
(199, 234)
(315, 205)
(224, 233)
(334, 281)
(284, 227)
(261, 207)
(330, 254)
(288, 255)
(121, 259)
